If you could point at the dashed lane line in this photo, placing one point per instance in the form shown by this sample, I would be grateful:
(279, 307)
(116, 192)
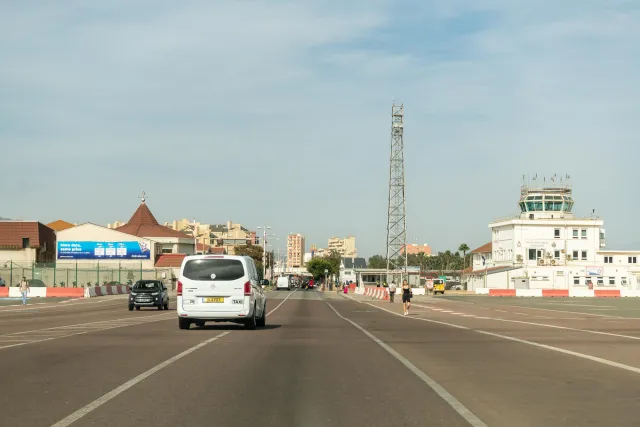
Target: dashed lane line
(67, 421)
(600, 360)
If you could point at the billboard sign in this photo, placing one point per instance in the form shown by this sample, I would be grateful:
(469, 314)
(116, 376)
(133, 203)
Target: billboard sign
(104, 250)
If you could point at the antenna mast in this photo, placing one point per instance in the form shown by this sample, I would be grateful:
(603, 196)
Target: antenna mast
(396, 218)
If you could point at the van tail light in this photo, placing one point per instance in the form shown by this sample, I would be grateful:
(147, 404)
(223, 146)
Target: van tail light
(179, 288)
(247, 289)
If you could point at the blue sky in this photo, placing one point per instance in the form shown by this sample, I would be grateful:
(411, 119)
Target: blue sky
(278, 112)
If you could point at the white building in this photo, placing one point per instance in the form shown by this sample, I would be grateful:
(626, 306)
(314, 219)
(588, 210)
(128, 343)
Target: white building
(548, 247)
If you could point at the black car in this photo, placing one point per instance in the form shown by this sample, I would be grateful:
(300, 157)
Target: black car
(149, 293)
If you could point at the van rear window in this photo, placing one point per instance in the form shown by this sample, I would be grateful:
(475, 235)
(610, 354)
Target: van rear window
(224, 269)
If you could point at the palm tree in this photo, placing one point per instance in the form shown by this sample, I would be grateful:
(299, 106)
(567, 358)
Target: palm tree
(464, 248)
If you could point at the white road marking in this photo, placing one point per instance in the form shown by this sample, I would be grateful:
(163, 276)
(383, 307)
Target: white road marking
(544, 325)
(462, 410)
(124, 387)
(531, 343)
(286, 298)
(47, 334)
(572, 312)
(132, 382)
(19, 308)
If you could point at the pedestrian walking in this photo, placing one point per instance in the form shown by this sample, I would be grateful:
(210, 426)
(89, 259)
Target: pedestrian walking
(392, 291)
(406, 296)
(24, 290)
(2, 283)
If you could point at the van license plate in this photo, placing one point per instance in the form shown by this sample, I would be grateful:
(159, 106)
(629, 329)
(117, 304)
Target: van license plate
(214, 299)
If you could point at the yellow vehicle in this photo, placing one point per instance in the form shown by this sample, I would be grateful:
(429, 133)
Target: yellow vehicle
(438, 286)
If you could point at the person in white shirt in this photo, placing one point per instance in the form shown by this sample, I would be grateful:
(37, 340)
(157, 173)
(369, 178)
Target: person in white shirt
(392, 291)
(24, 290)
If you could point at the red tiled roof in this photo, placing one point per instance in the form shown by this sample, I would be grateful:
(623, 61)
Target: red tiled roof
(144, 224)
(169, 260)
(483, 249)
(202, 247)
(210, 249)
(12, 233)
(60, 225)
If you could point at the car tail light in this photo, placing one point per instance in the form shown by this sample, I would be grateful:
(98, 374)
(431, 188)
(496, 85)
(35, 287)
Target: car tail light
(179, 288)
(247, 288)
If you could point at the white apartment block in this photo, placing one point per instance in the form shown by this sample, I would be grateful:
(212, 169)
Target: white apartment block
(345, 247)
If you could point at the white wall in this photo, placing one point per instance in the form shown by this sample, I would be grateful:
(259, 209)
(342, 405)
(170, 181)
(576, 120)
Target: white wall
(559, 278)
(477, 260)
(22, 255)
(502, 245)
(96, 233)
(513, 240)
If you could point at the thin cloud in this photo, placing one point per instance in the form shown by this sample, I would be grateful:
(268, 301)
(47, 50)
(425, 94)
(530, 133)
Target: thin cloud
(209, 105)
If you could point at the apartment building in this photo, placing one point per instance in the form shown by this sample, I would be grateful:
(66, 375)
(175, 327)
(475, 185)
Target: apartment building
(414, 249)
(226, 236)
(295, 250)
(345, 247)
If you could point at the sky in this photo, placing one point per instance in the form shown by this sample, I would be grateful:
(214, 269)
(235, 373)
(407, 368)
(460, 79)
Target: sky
(278, 113)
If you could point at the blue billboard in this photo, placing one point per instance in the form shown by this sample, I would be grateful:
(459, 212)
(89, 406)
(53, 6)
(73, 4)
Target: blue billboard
(103, 250)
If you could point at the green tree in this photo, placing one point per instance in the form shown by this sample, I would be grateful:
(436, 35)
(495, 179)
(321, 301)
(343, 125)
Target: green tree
(335, 259)
(318, 265)
(464, 248)
(377, 261)
(253, 251)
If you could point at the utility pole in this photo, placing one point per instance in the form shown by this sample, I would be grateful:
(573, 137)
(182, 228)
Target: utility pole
(396, 217)
(264, 249)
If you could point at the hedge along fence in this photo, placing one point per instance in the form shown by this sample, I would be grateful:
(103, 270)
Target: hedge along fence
(78, 275)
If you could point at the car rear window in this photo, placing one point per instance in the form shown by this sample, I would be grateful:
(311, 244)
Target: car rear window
(203, 269)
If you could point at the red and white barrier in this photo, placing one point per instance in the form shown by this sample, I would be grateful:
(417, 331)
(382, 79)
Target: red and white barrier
(100, 291)
(14, 292)
(376, 293)
(560, 293)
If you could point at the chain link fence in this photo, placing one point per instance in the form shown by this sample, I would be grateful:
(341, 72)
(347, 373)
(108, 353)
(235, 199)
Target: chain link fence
(78, 275)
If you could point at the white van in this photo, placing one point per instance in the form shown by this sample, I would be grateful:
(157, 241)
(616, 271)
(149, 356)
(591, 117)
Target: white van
(220, 288)
(283, 283)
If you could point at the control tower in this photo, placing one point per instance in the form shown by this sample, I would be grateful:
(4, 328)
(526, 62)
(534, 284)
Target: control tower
(546, 202)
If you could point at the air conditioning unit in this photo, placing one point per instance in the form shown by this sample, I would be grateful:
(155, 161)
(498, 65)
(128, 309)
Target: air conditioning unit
(553, 262)
(541, 261)
(518, 258)
(569, 257)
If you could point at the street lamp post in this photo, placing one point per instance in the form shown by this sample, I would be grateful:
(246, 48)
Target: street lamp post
(326, 272)
(264, 249)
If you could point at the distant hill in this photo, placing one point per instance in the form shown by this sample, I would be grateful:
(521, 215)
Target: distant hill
(4, 219)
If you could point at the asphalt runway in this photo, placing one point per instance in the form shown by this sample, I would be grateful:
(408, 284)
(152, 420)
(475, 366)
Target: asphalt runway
(322, 360)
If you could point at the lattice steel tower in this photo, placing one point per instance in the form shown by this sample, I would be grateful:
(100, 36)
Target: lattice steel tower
(396, 219)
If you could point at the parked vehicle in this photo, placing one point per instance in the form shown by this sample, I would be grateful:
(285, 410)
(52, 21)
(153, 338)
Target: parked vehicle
(220, 288)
